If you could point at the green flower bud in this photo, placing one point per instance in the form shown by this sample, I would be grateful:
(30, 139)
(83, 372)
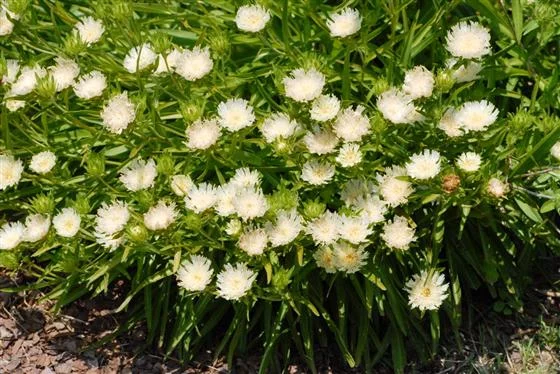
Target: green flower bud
(219, 43)
(444, 81)
(46, 88)
(379, 86)
(313, 209)
(137, 233)
(81, 204)
(166, 164)
(144, 198)
(191, 111)
(95, 165)
(161, 43)
(73, 45)
(18, 6)
(43, 204)
(193, 221)
(283, 199)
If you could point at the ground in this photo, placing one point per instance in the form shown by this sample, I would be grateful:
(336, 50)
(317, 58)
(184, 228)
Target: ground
(33, 340)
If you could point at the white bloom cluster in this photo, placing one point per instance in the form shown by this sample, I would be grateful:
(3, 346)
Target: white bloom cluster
(398, 234)
(468, 40)
(427, 290)
(202, 134)
(90, 85)
(424, 165)
(195, 274)
(10, 171)
(139, 175)
(341, 256)
(90, 30)
(64, 73)
(304, 85)
(67, 222)
(278, 126)
(160, 216)
(118, 114)
(235, 114)
(235, 281)
(252, 18)
(43, 162)
(194, 64)
(344, 23)
(139, 58)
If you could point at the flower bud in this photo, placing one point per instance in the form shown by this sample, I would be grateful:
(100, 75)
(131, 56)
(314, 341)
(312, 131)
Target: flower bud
(95, 164)
(73, 45)
(219, 44)
(191, 111)
(81, 204)
(43, 204)
(313, 209)
(450, 183)
(46, 87)
(166, 164)
(444, 81)
(137, 233)
(161, 43)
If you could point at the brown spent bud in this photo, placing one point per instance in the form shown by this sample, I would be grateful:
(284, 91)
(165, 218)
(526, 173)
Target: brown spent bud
(450, 183)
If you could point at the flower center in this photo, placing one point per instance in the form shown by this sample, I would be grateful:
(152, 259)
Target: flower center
(426, 292)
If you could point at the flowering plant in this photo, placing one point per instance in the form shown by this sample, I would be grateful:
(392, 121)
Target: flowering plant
(294, 172)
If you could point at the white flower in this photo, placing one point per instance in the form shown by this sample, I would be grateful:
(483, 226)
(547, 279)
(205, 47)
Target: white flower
(90, 85)
(424, 165)
(250, 203)
(304, 85)
(354, 229)
(449, 124)
(320, 142)
(139, 175)
(253, 241)
(286, 228)
(396, 107)
(12, 70)
(344, 23)
(90, 30)
(42, 162)
(497, 188)
(349, 155)
(112, 218)
(465, 72)
(252, 18)
(202, 134)
(476, 115)
(351, 125)
(11, 104)
(469, 161)
(67, 222)
(372, 209)
(181, 184)
(118, 113)
(226, 195)
(418, 82)
(555, 150)
(6, 25)
(160, 216)
(167, 64)
(235, 114)
(235, 281)
(278, 125)
(325, 229)
(195, 274)
(10, 171)
(108, 241)
(233, 227)
(64, 73)
(27, 80)
(11, 234)
(393, 188)
(324, 257)
(398, 234)
(426, 291)
(139, 58)
(349, 258)
(36, 227)
(325, 108)
(317, 173)
(201, 197)
(468, 40)
(195, 64)
(245, 177)
(355, 189)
